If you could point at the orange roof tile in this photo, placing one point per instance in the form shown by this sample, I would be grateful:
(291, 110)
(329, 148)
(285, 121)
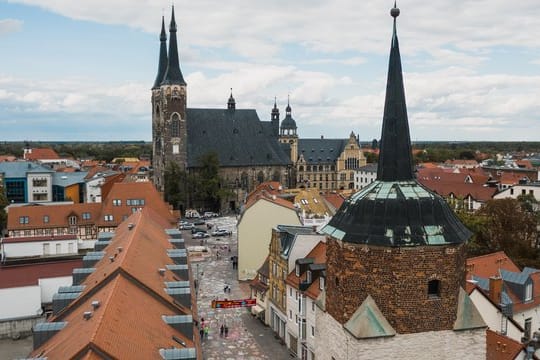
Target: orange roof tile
(500, 347)
(318, 253)
(489, 265)
(335, 199)
(58, 215)
(4, 158)
(128, 323)
(478, 192)
(41, 154)
(132, 191)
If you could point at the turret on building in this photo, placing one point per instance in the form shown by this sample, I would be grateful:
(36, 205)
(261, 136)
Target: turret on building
(396, 260)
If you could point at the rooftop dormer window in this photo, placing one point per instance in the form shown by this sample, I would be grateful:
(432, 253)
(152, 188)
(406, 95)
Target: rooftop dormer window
(528, 292)
(308, 276)
(297, 270)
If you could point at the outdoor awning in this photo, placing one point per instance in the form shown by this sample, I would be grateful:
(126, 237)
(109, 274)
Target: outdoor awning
(257, 309)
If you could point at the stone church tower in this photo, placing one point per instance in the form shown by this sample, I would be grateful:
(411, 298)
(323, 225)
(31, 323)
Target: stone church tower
(288, 130)
(169, 133)
(396, 260)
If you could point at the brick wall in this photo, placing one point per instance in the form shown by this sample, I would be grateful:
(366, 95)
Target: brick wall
(397, 279)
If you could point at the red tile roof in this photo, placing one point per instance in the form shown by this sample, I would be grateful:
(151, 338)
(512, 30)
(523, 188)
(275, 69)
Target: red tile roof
(489, 265)
(335, 199)
(318, 253)
(58, 215)
(41, 154)
(462, 190)
(133, 191)
(500, 347)
(26, 275)
(128, 323)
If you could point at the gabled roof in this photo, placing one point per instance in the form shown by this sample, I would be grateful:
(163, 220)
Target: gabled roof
(489, 265)
(335, 199)
(57, 215)
(27, 275)
(238, 136)
(41, 154)
(128, 323)
(462, 190)
(369, 322)
(501, 347)
(132, 191)
(19, 169)
(321, 151)
(318, 254)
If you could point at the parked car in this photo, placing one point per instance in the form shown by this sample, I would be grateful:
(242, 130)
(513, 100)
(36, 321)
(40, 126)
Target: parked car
(209, 214)
(186, 226)
(200, 235)
(195, 230)
(199, 221)
(221, 232)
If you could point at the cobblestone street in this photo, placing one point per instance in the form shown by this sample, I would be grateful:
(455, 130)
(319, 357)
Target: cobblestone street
(248, 338)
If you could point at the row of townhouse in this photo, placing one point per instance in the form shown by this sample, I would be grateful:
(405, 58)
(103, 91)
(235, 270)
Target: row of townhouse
(65, 229)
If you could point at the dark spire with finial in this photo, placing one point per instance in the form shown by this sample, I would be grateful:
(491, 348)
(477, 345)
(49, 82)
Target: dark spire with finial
(396, 210)
(288, 123)
(274, 116)
(173, 75)
(288, 108)
(395, 158)
(231, 104)
(162, 67)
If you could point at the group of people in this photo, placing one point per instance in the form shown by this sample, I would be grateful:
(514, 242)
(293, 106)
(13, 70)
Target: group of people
(224, 330)
(227, 289)
(234, 260)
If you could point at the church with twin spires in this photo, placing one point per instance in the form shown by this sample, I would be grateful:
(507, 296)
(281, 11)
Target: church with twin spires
(250, 150)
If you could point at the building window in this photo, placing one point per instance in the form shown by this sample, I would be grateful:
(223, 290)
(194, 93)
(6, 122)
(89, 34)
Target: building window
(296, 296)
(290, 292)
(39, 182)
(117, 202)
(175, 126)
(528, 327)
(321, 283)
(312, 305)
(290, 314)
(86, 216)
(46, 248)
(45, 219)
(308, 276)
(434, 289)
(109, 218)
(24, 220)
(58, 248)
(72, 220)
(312, 330)
(529, 292)
(297, 270)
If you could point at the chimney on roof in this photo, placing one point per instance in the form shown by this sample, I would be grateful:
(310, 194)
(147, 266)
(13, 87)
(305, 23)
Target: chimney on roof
(495, 289)
(130, 226)
(111, 258)
(120, 249)
(87, 315)
(95, 304)
(161, 271)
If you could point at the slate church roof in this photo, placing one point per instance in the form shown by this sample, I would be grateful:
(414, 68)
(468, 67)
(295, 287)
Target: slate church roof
(238, 136)
(321, 151)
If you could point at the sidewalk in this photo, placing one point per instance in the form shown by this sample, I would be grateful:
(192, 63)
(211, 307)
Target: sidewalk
(248, 338)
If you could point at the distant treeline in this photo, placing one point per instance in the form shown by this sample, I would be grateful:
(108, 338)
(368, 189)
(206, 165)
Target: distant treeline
(105, 151)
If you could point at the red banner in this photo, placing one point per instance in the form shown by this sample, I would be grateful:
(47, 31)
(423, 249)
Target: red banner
(227, 304)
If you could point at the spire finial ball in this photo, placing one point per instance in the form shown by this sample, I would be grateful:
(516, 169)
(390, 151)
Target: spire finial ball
(394, 12)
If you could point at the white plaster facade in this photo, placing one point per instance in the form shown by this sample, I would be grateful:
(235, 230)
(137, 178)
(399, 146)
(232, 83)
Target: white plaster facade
(39, 187)
(301, 317)
(49, 247)
(93, 189)
(441, 345)
(364, 176)
(493, 317)
(20, 302)
(517, 190)
(255, 232)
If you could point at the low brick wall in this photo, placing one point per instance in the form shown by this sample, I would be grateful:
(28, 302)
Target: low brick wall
(18, 328)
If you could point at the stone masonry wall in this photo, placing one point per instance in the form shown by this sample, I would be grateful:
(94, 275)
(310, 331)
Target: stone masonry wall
(397, 279)
(333, 342)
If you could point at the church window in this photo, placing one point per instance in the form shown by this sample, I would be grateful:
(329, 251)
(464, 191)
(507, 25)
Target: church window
(301, 168)
(434, 289)
(244, 180)
(176, 149)
(260, 177)
(157, 109)
(175, 125)
(276, 176)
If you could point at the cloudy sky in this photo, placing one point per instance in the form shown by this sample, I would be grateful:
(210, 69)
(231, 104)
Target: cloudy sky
(82, 70)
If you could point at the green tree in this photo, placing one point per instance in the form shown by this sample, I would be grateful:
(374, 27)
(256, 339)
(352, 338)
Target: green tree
(208, 183)
(177, 183)
(504, 224)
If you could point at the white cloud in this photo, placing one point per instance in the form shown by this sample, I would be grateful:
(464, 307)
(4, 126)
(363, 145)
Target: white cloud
(10, 25)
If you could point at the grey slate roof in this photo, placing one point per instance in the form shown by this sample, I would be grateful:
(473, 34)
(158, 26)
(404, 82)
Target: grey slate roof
(67, 179)
(321, 151)
(19, 169)
(288, 122)
(238, 136)
(372, 168)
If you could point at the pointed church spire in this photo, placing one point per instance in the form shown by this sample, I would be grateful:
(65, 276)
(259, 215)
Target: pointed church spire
(395, 158)
(231, 104)
(162, 67)
(288, 108)
(173, 75)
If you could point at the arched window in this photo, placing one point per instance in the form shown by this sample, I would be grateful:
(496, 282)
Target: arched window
(434, 289)
(351, 163)
(276, 176)
(175, 125)
(260, 177)
(244, 180)
(320, 168)
(157, 109)
(301, 168)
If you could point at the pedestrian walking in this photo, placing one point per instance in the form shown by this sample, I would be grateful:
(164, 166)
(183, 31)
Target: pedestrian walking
(226, 330)
(221, 330)
(201, 332)
(206, 330)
